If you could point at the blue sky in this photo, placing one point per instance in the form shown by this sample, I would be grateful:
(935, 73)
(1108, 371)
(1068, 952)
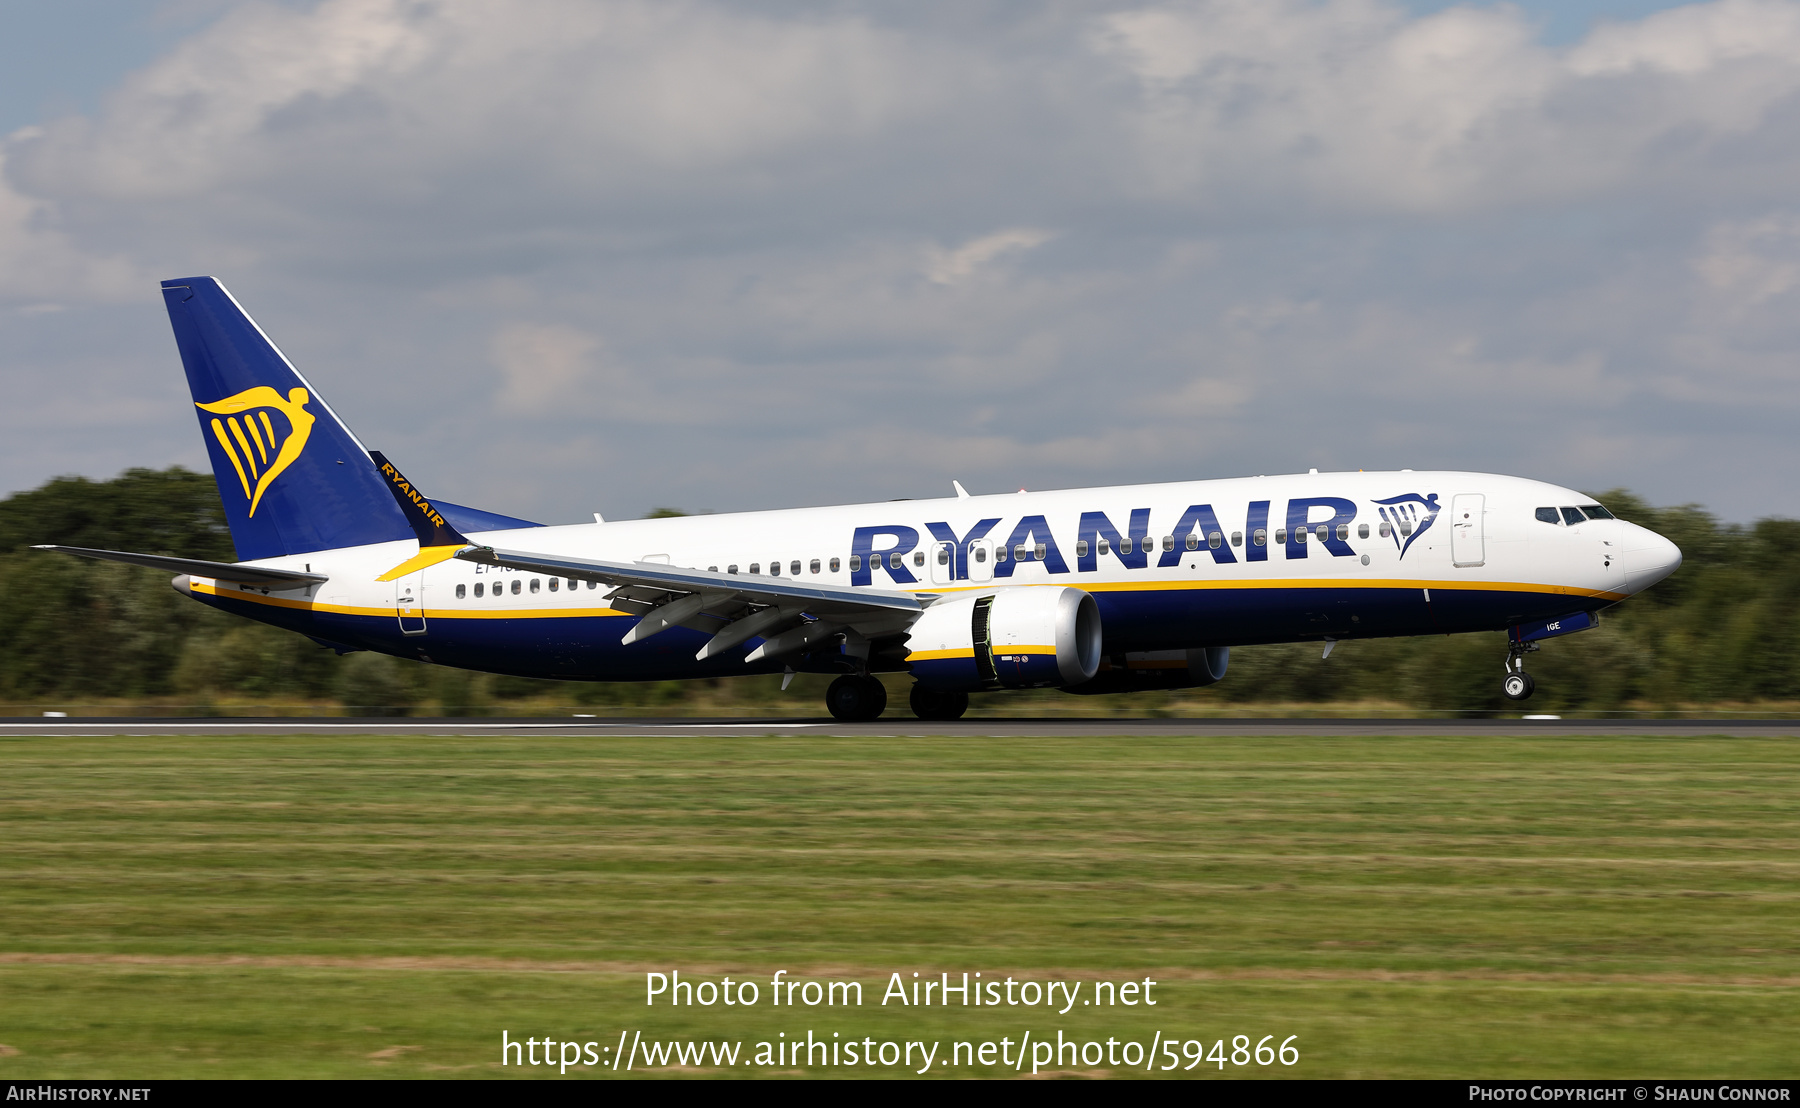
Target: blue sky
(560, 256)
(1565, 21)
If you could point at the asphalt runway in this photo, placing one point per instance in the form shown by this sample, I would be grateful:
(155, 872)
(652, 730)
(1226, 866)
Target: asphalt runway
(897, 726)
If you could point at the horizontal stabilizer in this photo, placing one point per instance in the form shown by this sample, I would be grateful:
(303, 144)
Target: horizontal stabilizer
(466, 519)
(219, 571)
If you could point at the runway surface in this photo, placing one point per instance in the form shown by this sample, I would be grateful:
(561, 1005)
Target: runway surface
(897, 726)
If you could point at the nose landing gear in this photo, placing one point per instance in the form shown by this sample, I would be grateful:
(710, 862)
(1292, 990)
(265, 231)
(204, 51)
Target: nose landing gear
(1518, 684)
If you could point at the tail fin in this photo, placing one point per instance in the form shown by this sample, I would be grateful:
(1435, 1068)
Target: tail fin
(292, 476)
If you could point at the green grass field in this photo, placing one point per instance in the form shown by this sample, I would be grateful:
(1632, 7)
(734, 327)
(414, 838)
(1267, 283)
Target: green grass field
(1407, 907)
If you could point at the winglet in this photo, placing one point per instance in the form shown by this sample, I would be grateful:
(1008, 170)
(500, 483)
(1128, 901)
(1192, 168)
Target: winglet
(426, 521)
(438, 538)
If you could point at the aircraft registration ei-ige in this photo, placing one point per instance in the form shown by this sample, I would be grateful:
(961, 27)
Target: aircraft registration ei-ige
(1100, 590)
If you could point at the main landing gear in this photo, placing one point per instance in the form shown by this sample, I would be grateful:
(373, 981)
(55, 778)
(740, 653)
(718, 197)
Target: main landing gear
(938, 703)
(856, 697)
(1518, 684)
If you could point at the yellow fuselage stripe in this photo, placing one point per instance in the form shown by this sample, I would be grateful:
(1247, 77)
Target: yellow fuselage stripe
(427, 556)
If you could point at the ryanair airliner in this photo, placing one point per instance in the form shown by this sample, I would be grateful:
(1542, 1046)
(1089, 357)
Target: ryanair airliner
(1103, 590)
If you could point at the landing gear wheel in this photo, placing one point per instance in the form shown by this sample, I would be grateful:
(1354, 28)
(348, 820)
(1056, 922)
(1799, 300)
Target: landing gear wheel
(1518, 686)
(938, 703)
(854, 698)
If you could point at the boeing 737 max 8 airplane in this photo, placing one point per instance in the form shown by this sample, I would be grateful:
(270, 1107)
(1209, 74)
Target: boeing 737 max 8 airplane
(1102, 590)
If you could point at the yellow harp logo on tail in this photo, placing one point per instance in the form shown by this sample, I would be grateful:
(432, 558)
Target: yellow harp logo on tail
(259, 450)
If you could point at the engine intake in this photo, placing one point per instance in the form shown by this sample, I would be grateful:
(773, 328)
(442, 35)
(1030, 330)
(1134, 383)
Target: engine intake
(1013, 638)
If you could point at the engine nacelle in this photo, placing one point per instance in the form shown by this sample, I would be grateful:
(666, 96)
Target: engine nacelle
(1158, 669)
(1013, 638)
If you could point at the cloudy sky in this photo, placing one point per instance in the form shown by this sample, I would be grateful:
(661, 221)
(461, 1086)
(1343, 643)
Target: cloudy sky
(565, 256)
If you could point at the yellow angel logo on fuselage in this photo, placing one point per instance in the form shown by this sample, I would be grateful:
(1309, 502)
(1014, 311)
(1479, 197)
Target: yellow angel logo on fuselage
(251, 440)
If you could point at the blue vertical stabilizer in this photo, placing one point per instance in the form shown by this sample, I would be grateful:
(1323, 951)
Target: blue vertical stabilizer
(292, 476)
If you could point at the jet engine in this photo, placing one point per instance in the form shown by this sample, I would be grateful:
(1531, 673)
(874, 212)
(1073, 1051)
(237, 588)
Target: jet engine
(1013, 638)
(1158, 669)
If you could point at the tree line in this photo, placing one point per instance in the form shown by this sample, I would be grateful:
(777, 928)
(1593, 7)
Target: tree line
(1722, 630)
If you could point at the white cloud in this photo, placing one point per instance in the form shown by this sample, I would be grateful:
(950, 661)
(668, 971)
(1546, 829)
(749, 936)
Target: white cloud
(1350, 105)
(947, 267)
(544, 367)
(1752, 262)
(39, 262)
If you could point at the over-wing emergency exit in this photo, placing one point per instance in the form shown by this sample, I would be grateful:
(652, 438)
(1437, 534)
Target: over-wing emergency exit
(1102, 590)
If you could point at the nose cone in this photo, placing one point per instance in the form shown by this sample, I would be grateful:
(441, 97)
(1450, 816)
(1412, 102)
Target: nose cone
(1648, 558)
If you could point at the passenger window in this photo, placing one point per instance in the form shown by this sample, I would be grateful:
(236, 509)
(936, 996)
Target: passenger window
(1595, 511)
(554, 582)
(1387, 529)
(574, 584)
(1572, 516)
(516, 586)
(999, 554)
(895, 561)
(461, 591)
(1124, 546)
(774, 569)
(856, 563)
(593, 584)
(1237, 538)
(814, 566)
(709, 569)
(919, 558)
(1260, 538)
(478, 590)
(755, 568)
(943, 558)
(1362, 530)
(1322, 531)
(834, 565)
(534, 584)
(1405, 527)
(1280, 535)
(1299, 535)
(1193, 541)
(981, 553)
(1216, 540)
(794, 567)
(1038, 551)
(1343, 531)
(730, 569)
(1081, 548)
(1548, 515)
(1104, 544)
(1168, 543)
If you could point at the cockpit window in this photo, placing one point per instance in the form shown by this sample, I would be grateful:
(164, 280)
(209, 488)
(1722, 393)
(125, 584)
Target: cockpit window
(1595, 511)
(1572, 516)
(1548, 515)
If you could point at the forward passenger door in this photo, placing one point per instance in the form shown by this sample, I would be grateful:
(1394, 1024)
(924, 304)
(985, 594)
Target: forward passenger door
(1468, 543)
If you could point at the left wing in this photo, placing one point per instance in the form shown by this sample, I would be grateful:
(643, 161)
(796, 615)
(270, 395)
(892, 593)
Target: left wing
(791, 616)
